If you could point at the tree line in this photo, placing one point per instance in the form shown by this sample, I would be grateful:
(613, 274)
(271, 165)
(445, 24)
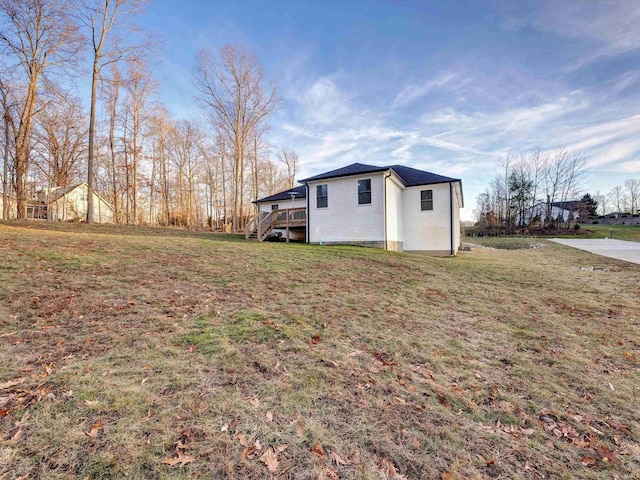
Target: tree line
(623, 198)
(540, 179)
(151, 167)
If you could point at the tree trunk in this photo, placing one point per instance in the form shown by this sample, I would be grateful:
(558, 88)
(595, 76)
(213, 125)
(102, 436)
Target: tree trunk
(92, 119)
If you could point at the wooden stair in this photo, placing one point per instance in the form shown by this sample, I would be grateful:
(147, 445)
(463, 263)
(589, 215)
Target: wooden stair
(260, 226)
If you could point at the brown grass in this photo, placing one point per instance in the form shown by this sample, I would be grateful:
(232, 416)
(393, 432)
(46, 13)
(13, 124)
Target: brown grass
(120, 348)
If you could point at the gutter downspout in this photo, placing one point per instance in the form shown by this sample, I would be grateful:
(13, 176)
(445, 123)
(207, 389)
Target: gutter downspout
(451, 215)
(307, 240)
(386, 246)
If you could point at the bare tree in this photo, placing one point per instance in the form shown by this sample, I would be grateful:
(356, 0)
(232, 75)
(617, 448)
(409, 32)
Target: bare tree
(60, 140)
(161, 127)
(230, 86)
(602, 202)
(632, 188)
(99, 16)
(188, 158)
(289, 158)
(40, 36)
(8, 128)
(618, 198)
(140, 87)
(111, 89)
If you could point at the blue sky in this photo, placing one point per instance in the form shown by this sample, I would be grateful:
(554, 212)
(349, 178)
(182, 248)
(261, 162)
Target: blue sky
(448, 87)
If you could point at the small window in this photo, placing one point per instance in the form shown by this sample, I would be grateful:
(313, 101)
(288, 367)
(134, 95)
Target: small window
(426, 200)
(364, 191)
(274, 207)
(322, 196)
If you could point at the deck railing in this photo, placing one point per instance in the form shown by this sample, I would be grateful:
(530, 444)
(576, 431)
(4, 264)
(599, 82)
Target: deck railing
(264, 222)
(291, 217)
(265, 225)
(253, 224)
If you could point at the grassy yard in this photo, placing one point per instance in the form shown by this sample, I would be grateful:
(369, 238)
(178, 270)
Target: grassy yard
(151, 353)
(621, 232)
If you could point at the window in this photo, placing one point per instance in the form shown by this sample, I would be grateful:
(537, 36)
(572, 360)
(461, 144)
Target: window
(274, 207)
(322, 196)
(426, 200)
(364, 191)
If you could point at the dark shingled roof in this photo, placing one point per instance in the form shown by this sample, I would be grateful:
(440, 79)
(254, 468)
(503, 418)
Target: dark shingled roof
(301, 192)
(569, 205)
(411, 177)
(353, 169)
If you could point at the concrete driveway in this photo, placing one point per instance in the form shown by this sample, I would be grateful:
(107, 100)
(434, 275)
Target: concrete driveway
(619, 249)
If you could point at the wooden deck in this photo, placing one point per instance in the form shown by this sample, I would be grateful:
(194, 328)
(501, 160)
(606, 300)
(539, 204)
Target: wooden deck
(260, 226)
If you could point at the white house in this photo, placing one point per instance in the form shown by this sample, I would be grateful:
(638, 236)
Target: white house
(70, 203)
(393, 207)
(11, 201)
(565, 210)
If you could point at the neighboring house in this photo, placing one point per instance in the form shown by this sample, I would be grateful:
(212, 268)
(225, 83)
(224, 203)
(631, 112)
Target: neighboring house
(69, 204)
(13, 207)
(565, 210)
(393, 207)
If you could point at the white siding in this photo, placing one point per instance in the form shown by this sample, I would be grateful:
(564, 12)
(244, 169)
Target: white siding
(12, 208)
(394, 211)
(427, 230)
(344, 220)
(73, 206)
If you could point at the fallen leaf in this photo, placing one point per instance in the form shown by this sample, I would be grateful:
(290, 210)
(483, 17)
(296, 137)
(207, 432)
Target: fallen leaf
(243, 439)
(331, 473)
(91, 403)
(68, 394)
(270, 459)
(15, 438)
(4, 412)
(269, 416)
(250, 452)
(318, 450)
(11, 383)
(254, 401)
(95, 430)
(446, 476)
(48, 368)
(629, 355)
(389, 470)
(606, 454)
(618, 426)
(528, 431)
(337, 459)
(180, 460)
(588, 461)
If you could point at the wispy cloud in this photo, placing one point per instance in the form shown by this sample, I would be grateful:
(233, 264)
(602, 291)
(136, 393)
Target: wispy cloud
(449, 80)
(607, 29)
